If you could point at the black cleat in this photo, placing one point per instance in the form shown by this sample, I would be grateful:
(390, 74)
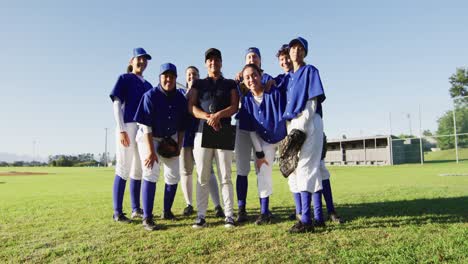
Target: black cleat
(188, 210)
(300, 227)
(219, 211)
(319, 223)
(242, 215)
(264, 219)
(137, 214)
(199, 223)
(167, 215)
(335, 218)
(229, 222)
(121, 218)
(148, 224)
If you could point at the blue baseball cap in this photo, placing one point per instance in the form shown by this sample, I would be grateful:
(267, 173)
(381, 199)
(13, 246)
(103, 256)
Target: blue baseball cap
(137, 52)
(253, 50)
(168, 67)
(301, 41)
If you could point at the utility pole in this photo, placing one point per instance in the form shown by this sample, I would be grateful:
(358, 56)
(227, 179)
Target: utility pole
(409, 121)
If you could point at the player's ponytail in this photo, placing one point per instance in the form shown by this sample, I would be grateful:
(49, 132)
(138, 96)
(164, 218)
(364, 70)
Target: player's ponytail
(129, 68)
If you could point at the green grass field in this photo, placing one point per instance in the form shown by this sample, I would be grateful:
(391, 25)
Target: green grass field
(398, 214)
(447, 155)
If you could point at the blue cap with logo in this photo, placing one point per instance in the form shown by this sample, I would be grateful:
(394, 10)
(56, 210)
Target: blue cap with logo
(168, 67)
(253, 50)
(137, 52)
(301, 41)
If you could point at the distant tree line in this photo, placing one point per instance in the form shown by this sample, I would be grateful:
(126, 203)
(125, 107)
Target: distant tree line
(61, 160)
(23, 164)
(458, 90)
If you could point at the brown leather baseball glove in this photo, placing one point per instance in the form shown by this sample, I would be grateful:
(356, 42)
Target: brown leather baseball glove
(168, 148)
(289, 149)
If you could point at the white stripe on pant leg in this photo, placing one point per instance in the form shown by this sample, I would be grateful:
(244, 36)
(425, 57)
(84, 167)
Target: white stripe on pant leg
(308, 167)
(203, 162)
(243, 151)
(224, 159)
(324, 171)
(124, 155)
(264, 177)
(186, 173)
(149, 174)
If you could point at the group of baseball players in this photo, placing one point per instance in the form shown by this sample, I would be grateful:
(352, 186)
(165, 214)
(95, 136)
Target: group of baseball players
(265, 109)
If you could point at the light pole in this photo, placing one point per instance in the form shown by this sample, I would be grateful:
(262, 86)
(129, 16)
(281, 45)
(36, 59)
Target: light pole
(455, 125)
(409, 121)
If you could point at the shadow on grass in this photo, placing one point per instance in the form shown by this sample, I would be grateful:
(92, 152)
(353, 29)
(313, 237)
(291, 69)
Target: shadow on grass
(2, 182)
(397, 213)
(445, 161)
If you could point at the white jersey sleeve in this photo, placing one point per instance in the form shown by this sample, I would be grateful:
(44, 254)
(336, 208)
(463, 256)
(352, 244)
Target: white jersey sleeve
(118, 114)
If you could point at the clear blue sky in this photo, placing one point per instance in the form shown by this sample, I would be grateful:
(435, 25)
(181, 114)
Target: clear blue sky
(61, 59)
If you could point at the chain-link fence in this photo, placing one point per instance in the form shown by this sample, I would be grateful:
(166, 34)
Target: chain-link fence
(448, 144)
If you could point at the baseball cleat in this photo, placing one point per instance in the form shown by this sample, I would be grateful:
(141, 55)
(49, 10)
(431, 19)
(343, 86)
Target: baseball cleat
(263, 219)
(229, 222)
(300, 227)
(148, 224)
(219, 211)
(167, 215)
(242, 215)
(121, 218)
(295, 216)
(319, 223)
(335, 218)
(199, 223)
(137, 214)
(188, 210)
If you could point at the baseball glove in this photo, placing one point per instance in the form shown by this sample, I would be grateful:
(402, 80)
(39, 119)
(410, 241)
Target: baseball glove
(289, 149)
(168, 148)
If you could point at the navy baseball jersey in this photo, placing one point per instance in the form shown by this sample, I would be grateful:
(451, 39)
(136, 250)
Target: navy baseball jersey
(214, 96)
(265, 119)
(129, 89)
(303, 85)
(165, 112)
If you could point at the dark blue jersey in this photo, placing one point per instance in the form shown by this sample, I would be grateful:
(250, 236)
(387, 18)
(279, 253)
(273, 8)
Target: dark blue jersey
(129, 88)
(303, 85)
(265, 119)
(165, 112)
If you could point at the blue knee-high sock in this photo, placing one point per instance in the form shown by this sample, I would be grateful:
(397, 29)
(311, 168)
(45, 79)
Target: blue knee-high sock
(264, 204)
(298, 202)
(327, 194)
(242, 185)
(118, 193)
(169, 195)
(135, 189)
(306, 198)
(318, 211)
(148, 192)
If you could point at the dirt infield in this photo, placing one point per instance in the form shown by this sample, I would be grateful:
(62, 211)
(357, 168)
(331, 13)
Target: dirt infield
(22, 173)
